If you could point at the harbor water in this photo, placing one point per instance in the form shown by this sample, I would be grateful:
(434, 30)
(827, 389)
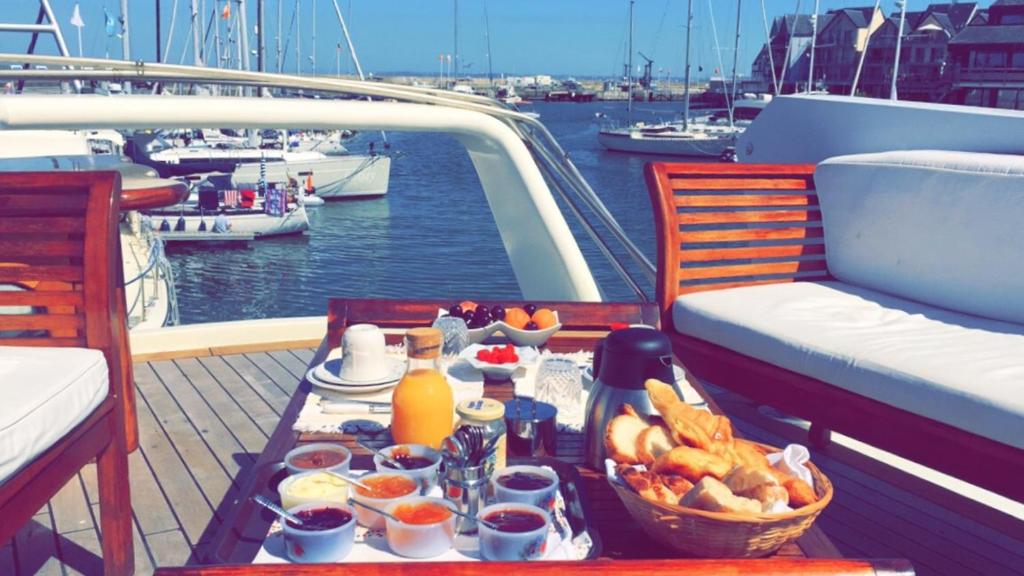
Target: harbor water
(431, 236)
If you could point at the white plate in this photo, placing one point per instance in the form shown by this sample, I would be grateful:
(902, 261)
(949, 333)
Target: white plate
(349, 390)
(325, 374)
(526, 356)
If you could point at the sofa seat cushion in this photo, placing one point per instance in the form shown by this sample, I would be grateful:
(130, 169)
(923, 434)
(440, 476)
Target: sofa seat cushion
(965, 371)
(46, 393)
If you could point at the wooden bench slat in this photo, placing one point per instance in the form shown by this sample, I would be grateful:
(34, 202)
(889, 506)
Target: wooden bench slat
(41, 322)
(738, 183)
(744, 200)
(691, 288)
(751, 234)
(63, 273)
(715, 254)
(752, 216)
(48, 342)
(674, 170)
(741, 270)
(41, 247)
(38, 298)
(32, 224)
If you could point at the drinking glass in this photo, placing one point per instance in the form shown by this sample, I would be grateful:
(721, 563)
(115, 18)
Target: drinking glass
(559, 382)
(456, 334)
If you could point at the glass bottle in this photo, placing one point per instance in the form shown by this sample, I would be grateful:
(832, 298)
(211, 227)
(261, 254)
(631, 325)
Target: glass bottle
(422, 403)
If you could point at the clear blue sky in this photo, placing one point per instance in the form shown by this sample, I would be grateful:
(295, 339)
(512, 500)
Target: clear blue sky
(558, 37)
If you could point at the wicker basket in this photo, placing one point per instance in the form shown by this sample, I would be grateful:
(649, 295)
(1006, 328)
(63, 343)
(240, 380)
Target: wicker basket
(720, 534)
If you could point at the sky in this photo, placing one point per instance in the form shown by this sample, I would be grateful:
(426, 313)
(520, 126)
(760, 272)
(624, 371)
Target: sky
(582, 38)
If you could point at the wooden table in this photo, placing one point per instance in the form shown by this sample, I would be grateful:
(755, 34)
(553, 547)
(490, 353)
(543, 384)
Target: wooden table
(622, 539)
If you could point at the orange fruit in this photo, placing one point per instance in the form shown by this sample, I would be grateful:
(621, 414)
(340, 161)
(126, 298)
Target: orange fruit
(468, 305)
(544, 318)
(516, 318)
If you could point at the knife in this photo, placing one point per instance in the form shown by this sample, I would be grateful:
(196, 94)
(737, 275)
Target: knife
(355, 408)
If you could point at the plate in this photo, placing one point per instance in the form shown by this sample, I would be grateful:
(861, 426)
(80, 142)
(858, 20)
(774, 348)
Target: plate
(325, 373)
(349, 390)
(526, 355)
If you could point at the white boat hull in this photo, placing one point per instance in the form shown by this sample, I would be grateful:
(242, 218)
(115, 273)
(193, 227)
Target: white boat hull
(665, 145)
(258, 224)
(333, 177)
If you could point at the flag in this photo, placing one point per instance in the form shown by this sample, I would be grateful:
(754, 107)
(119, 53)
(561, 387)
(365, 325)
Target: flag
(226, 13)
(109, 23)
(232, 198)
(76, 18)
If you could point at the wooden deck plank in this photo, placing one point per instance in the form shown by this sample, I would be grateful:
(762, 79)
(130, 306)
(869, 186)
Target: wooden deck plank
(71, 510)
(7, 564)
(219, 440)
(256, 407)
(36, 547)
(290, 362)
(169, 548)
(188, 475)
(304, 354)
(260, 382)
(282, 378)
(225, 409)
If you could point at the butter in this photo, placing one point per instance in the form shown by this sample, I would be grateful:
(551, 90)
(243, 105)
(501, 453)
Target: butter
(312, 487)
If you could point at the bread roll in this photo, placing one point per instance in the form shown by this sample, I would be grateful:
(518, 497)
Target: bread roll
(652, 442)
(620, 439)
(714, 496)
(691, 463)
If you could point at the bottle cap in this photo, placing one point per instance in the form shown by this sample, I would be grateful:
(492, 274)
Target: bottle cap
(482, 409)
(423, 343)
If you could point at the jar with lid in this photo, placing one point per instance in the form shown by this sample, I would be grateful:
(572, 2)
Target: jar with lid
(489, 415)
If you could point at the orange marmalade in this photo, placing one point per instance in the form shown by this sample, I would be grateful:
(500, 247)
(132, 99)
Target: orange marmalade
(387, 486)
(424, 513)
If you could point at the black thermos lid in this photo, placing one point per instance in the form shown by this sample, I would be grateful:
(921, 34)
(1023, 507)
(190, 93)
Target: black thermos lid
(628, 357)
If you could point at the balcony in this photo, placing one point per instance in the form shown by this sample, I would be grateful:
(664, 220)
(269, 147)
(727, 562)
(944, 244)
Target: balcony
(988, 77)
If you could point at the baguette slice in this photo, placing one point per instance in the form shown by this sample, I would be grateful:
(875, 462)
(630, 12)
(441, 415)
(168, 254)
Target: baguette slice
(620, 438)
(652, 442)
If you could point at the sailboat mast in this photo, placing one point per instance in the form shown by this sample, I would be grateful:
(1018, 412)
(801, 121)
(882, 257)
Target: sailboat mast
(243, 36)
(487, 32)
(298, 38)
(814, 44)
(686, 76)
(735, 63)
(125, 43)
(629, 71)
(902, 4)
(455, 54)
(280, 20)
(197, 55)
(313, 39)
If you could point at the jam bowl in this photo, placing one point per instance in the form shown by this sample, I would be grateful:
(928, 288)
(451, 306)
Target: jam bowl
(313, 486)
(533, 485)
(318, 456)
(521, 534)
(425, 527)
(388, 487)
(422, 464)
(327, 533)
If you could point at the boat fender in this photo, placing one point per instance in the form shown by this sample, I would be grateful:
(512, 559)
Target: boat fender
(165, 226)
(179, 226)
(202, 225)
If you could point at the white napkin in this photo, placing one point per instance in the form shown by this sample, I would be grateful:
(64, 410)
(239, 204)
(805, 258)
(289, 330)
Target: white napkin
(466, 383)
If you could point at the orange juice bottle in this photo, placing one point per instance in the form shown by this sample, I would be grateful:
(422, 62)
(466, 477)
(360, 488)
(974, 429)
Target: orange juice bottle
(422, 404)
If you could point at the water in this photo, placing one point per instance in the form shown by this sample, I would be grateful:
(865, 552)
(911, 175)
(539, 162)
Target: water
(431, 236)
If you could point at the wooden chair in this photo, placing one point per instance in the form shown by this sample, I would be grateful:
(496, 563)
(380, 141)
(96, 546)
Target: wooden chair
(721, 226)
(60, 249)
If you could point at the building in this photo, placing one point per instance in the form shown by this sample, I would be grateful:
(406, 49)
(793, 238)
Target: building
(839, 45)
(790, 47)
(923, 53)
(987, 59)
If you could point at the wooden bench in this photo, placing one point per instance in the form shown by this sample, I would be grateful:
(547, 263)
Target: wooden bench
(721, 226)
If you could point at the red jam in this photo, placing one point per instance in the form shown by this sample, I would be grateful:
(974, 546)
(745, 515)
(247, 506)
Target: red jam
(515, 520)
(320, 519)
(407, 460)
(317, 459)
(524, 481)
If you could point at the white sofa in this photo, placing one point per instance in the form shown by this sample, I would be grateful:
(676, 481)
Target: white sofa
(926, 309)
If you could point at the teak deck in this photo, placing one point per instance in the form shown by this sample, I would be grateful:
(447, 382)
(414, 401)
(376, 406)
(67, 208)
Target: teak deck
(203, 421)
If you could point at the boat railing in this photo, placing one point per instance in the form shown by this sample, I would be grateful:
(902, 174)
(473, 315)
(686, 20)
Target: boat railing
(561, 173)
(149, 278)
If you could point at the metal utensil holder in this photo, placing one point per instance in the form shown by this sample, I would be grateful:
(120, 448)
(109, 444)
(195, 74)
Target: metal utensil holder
(466, 487)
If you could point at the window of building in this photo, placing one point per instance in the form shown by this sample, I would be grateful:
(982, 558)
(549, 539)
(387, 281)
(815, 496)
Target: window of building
(1010, 19)
(972, 97)
(847, 36)
(988, 59)
(1017, 59)
(1007, 99)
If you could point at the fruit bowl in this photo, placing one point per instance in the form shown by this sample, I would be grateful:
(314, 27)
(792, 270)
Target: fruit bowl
(527, 326)
(503, 371)
(521, 337)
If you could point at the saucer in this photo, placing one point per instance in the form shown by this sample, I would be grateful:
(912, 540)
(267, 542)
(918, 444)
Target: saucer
(349, 389)
(327, 373)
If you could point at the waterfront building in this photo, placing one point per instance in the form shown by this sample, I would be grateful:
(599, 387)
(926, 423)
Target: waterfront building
(839, 45)
(987, 60)
(790, 48)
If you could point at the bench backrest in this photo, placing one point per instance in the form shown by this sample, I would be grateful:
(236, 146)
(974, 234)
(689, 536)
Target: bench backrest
(725, 225)
(942, 228)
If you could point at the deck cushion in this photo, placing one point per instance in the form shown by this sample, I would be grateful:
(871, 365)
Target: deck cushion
(961, 370)
(46, 393)
(942, 228)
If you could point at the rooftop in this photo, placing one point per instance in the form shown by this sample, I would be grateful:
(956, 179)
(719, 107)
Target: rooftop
(990, 34)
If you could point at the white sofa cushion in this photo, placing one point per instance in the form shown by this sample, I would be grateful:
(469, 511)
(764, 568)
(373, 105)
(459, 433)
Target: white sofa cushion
(942, 228)
(961, 370)
(46, 392)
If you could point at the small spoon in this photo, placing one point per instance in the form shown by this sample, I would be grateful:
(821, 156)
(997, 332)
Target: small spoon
(266, 503)
(489, 524)
(393, 461)
(350, 480)
(375, 509)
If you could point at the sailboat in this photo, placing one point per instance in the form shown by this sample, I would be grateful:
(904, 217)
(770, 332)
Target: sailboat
(685, 138)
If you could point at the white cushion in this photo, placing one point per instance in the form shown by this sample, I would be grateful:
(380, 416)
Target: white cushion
(46, 393)
(942, 228)
(961, 370)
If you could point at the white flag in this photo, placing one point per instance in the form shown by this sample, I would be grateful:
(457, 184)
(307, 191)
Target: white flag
(76, 18)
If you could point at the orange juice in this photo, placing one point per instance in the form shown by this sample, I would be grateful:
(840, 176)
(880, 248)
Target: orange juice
(422, 404)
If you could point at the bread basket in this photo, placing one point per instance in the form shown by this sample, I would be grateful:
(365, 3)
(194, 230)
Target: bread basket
(724, 535)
